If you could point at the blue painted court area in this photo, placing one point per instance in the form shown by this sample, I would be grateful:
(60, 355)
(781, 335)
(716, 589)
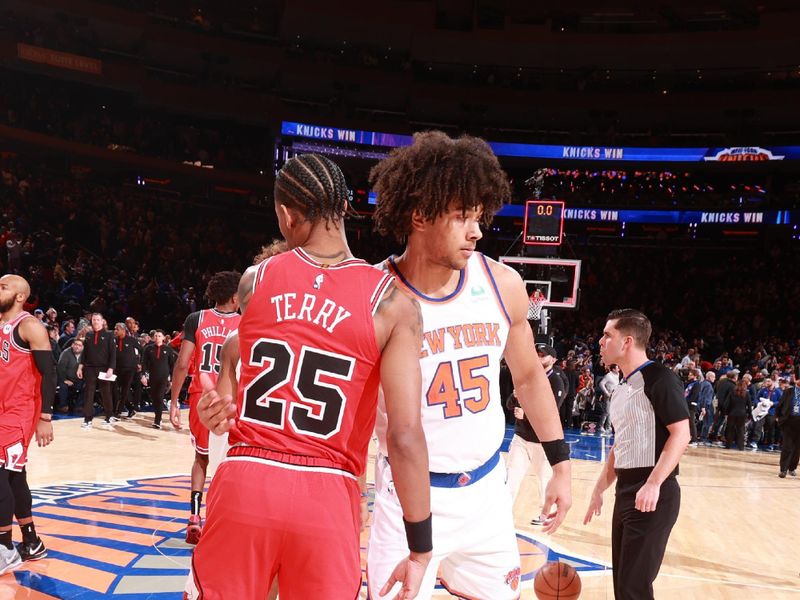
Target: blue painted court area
(126, 539)
(584, 447)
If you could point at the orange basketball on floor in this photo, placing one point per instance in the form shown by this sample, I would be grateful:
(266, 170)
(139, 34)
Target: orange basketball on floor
(557, 581)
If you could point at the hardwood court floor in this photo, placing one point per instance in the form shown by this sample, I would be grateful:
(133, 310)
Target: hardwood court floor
(121, 533)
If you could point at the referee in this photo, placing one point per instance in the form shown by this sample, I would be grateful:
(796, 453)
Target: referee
(651, 421)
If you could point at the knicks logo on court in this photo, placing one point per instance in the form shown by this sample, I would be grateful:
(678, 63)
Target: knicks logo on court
(108, 539)
(127, 539)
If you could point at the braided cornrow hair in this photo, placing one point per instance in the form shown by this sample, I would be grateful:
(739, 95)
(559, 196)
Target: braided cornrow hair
(315, 185)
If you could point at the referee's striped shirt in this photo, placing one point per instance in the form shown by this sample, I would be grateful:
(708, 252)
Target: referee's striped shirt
(641, 407)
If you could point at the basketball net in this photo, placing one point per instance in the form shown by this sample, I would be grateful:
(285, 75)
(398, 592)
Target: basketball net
(535, 307)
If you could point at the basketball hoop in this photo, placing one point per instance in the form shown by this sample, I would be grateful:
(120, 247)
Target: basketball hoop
(535, 307)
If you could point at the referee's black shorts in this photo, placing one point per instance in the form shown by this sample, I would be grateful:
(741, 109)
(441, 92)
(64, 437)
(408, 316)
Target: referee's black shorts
(639, 539)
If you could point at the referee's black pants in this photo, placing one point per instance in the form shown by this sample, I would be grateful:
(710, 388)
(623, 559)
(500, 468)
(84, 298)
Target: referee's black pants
(639, 539)
(91, 382)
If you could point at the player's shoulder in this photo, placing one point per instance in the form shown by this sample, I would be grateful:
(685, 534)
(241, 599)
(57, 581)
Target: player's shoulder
(396, 304)
(500, 271)
(29, 326)
(383, 265)
(509, 285)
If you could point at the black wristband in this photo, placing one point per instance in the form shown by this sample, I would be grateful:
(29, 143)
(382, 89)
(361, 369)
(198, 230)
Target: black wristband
(419, 535)
(556, 451)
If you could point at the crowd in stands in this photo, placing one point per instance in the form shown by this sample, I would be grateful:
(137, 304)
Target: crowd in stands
(667, 189)
(732, 397)
(116, 249)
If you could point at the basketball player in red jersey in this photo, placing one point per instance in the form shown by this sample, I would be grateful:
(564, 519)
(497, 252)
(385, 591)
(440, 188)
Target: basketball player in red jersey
(320, 330)
(28, 376)
(204, 332)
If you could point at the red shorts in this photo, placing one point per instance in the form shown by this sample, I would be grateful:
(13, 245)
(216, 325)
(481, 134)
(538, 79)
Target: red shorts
(288, 518)
(14, 447)
(198, 431)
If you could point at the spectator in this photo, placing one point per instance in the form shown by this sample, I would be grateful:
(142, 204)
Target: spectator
(608, 384)
(70, 386)
(725, 388)
(760, 411)
(692, 393)
(67, 333)
(737, 409)
(705, 401)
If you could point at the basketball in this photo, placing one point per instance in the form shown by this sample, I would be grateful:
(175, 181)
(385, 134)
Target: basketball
(557, 581)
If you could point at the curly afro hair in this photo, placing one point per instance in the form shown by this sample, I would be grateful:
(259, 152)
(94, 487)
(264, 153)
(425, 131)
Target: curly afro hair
(431, 174)
(277, 246)
(222, 286)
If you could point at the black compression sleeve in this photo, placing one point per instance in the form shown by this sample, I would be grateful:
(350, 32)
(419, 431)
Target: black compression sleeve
(47, 368)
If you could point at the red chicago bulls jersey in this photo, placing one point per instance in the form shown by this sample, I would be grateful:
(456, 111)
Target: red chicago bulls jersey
(310, 362)
(212, 329)
(20, 392)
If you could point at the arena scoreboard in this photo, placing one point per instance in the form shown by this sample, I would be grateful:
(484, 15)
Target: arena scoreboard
(544, 222)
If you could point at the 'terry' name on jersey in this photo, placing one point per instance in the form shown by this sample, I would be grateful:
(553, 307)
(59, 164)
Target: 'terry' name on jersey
(286, 309)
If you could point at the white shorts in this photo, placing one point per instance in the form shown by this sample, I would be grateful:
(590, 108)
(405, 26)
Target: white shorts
(217, 450)
(475, 550)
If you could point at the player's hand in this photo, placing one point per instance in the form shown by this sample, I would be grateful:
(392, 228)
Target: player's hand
(409, 573)
(595, 507)
(175, 414)
(80, 372)
(216, 412)
(109, 373)
(44, 433)
(519, 413)
(647, 497)
(558, 493)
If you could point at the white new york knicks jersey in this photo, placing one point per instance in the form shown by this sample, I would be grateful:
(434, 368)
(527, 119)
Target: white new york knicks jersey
(464, 337)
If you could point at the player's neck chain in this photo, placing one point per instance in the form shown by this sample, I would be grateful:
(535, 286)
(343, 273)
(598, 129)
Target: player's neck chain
(338, 257)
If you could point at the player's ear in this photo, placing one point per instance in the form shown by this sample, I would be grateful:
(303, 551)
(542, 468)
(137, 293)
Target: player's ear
(283, 213)
(418, 221)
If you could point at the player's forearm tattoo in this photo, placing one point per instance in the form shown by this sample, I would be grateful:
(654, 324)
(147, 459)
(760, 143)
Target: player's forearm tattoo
(416, 324)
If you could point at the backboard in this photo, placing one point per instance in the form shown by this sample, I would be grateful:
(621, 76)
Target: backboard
(557, 278)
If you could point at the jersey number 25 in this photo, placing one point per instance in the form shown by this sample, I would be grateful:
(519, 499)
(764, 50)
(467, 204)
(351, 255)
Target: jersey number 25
(279, 359)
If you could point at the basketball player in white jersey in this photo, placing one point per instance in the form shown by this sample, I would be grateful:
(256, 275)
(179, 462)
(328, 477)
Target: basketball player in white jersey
(437, 193)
